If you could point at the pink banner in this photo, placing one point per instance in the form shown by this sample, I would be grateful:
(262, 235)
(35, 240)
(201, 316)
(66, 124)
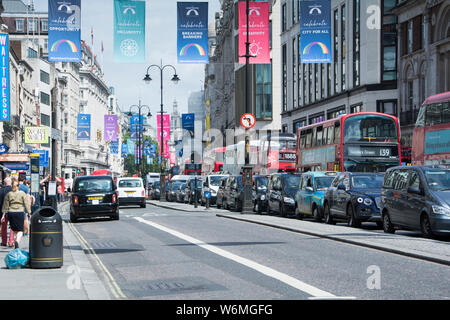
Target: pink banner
(166, 137)
(259, 32)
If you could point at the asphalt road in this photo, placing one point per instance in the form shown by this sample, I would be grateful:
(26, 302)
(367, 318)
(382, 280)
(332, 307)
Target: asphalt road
(163, 254)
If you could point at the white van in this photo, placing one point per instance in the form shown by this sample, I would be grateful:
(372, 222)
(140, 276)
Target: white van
(131, 191)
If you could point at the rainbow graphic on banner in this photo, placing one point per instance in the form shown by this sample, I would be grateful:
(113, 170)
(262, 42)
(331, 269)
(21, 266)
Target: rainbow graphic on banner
(324, 48)
(200, 49)
(56, 45)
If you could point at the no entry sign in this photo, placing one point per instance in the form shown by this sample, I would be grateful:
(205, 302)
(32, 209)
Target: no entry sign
(248, 121)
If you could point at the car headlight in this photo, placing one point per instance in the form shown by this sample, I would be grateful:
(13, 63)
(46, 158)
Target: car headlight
(366, 201)
(263, 197)
(289, 200)
(440, 210)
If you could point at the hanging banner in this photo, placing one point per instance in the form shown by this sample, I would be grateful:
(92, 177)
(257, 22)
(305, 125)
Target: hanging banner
(166, 133)
(84, 127)
(129, 31)
(315, 31)
(114, 147)
(259, 34)
(64, 36)
(188, 123)
(131, 147)
(110, 130)
(124, 150)
(193, 33)
(5, 109)
(136, 127)
(36, 135)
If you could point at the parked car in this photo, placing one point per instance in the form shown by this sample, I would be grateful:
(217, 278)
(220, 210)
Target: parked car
(154, 191)
(311, 195)
(259, 193)
(211, 185)
(232, 194)
(416, 198)
(172, 193)
(192, 191)
(180, 192)
(355, 198)
(220, 192)
(131, 191)
(281, 193)
(94, 196)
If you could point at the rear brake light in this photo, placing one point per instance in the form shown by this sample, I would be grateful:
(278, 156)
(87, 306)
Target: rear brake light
(143, 193)
(75, 200)
(114, 198)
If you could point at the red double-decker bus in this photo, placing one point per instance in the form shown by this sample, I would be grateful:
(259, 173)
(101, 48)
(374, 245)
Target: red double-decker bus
(431, 136)
(213, 160)
(277, 153)
(358, 142)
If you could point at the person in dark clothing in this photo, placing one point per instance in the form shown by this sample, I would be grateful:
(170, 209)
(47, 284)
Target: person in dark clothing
(4, 225)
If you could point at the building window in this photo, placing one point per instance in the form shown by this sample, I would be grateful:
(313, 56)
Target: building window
(356, 108)
(44, 25)
(336, 51)
(66, 118)
(311, 87)
(284, 128)
(293, 11)
(299, 124)
(356, 43)
(334, 113)
(299, 73)
(45, 98)
(32, 53)
(343, 49)
(20, 25)
(263, 97)
(294, 76)
(283, 18)
(388, 107)
(329, 79)
(66, 137)
(45, 120)
(389, 42)
(317, 118)
(45, 77)
(32, 24)
(284, 66)
(322, 78)
(410, 37)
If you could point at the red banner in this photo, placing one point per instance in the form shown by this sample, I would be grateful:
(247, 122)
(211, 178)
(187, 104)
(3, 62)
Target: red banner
(259, 32)
(166, 137)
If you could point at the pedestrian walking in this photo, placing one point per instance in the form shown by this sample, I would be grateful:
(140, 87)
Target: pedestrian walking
(15, 205)
(60, 192)
(4, 222)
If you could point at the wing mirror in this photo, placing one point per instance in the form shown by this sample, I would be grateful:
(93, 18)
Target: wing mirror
(309, 189)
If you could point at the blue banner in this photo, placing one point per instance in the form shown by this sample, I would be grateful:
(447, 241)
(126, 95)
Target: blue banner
(136, 127)
(131, 147)
(129, 31)
(193, 33)
(64, 25)
(84, 127)
(188, 123)
(114, 147)
(437, 142)
(5, 110)
(124, 150)
(315, 31)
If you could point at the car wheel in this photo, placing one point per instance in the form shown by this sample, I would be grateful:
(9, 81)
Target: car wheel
(327, 215)
(144, 205)
(282, 210)
(316, 215)
(388, 227)
(380, 225)
(298, 214)
(73, 219)
(352, 220)
(425, 227)
(115, 216)
(258, 207)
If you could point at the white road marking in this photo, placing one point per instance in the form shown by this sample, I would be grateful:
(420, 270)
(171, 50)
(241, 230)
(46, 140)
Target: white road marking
(295, 283)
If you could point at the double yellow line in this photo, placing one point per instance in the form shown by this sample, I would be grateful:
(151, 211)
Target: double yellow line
(112, 284)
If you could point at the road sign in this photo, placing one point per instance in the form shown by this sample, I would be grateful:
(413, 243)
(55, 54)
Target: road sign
(248, 121)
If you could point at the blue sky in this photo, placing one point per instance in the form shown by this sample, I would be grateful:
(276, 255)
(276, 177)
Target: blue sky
(161, 34)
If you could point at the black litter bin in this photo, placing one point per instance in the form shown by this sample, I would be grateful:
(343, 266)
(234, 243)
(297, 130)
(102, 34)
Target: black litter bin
(46, 239)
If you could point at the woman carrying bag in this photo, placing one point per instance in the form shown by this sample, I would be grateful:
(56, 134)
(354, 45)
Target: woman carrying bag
(15, 205)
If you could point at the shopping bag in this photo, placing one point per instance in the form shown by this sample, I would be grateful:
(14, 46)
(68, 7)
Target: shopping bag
(17, 259)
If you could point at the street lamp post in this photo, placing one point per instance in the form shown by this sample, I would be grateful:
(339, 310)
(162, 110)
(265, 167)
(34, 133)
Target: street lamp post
(138, 132)
(147, 80)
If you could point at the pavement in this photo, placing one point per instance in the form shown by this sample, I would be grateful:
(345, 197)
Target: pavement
(421, 248)
(75, 280)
